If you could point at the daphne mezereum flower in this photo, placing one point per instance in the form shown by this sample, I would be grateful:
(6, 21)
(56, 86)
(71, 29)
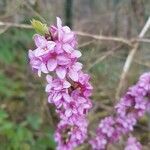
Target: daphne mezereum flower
(133, 144)
(129, 109)
(68, 87)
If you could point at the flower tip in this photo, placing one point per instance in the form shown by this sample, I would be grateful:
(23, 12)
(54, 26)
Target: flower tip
(59, 22)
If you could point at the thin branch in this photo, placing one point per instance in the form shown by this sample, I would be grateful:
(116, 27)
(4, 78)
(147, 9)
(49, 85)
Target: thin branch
(105, 38)
(10, 24)
(129, 60)
(143, 40)
(96, 37)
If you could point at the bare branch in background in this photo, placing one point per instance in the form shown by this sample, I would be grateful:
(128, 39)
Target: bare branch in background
(10, 24)
(105, 38)
(96, 37)
(129, 60)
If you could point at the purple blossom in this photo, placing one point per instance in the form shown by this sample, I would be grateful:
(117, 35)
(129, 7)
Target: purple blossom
(99, 142)
(70, 135)
(68, 88)
(129, 109)
(133, 144)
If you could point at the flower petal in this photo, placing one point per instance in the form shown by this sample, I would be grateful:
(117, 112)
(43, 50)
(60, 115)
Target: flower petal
(51, 64)
(39, 52)
(63, 60)
(67, 48)
(73, 75)
(39, 73)
(31, 54)
(66, 84)
(49, 78)
(39, 40)
(66, 29)
(61, 72)
(59, 22)
(68, 112)
(48, 88)
(76, 54)
(50, 45)
(68, 37)
(66, 97)
(44, 68)
(77, 66)
(57, 97)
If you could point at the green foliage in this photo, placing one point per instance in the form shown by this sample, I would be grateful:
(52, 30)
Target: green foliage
(21, 137)
(12, 45)
(13, 61)
(8, 87)
(34, 121)
(21, 130)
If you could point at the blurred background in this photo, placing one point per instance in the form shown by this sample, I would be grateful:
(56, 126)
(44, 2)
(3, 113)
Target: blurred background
(27, 122)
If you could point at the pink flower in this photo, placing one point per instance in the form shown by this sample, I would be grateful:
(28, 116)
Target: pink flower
(128, 110)
(57, 90)
(133, 144)
(63, 34)
(37, 64)
(107, 126)
(68, 88)
(70, 135)
(44, 47)
(99, 142)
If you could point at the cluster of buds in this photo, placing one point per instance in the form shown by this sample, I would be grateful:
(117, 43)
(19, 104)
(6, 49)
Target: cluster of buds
(129, 109)
(67, 86)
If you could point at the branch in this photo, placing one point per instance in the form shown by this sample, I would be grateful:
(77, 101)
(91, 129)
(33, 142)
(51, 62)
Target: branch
(105, 38)
(10, 24)
(97, 37)
(129, 59)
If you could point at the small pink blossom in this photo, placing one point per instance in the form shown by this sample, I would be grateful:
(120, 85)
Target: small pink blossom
(133, 144)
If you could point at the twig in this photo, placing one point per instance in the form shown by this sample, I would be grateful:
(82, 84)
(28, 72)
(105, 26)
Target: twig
(105, 38)
(10, 24)
(143, 40)
(97, 37)
(130, 59)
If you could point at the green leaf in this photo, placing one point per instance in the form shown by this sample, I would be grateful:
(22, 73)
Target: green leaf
(35, 121)
(39, 27)
(3, 114)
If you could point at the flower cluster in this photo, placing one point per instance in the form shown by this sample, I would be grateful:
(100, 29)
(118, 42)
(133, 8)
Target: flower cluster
(133, 144)
(68, 87)
(132, 106)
